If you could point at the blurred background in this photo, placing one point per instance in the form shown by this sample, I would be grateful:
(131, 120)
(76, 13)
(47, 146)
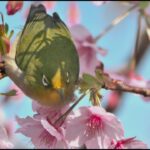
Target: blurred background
(133, 111)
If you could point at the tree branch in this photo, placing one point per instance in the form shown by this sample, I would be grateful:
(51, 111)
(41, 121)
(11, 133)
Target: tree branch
(118, 85)
(141, 51)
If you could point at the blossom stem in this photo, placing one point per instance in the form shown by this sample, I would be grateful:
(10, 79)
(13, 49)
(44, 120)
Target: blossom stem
(118, 85)
(115, 22)
(63, 117)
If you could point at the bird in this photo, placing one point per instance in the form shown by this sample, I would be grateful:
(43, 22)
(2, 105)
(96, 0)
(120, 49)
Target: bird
(43, 61)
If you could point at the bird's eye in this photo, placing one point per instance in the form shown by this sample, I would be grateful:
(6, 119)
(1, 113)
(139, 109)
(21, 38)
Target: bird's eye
(45, 81)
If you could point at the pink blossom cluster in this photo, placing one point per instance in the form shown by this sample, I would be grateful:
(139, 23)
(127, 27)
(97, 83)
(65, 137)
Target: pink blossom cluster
(89, 127)
(87, 49)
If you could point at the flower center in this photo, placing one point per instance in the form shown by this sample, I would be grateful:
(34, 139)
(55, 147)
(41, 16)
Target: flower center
(94, 124)
(119, 145)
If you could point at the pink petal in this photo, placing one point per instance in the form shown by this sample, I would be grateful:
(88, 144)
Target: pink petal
(50, 112)
(33, 129)
(88, 62)
(25, 121)
(84, 33)
(98, 142)
(87, 49)
(27, 124)
(129, 143)
(115, 125)
(42, 133)
(136, 144)
(95, 48)
(49, 128)
(75, 127)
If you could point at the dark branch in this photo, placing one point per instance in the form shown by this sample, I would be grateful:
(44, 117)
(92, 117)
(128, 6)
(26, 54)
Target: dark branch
(2, 70)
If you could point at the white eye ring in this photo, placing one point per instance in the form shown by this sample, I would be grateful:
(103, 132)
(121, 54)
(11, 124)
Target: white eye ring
(45, 81)
(67, 74)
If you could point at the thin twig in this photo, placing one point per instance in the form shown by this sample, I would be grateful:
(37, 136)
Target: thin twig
(115, 22)
(63, 117)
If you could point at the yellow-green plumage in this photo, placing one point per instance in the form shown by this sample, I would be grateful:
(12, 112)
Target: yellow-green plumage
(46, 55)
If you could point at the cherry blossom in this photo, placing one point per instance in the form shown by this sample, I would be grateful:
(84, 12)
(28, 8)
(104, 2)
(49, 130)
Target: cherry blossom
(129, 143)
(42, 133)
(92, 127)
(42, 130)
(13, 7)
(87, 49)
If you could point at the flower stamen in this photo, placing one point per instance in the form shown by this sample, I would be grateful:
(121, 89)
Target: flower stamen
(94, 125)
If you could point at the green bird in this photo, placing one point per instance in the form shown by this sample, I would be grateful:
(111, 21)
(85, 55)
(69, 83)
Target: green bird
(43, 61)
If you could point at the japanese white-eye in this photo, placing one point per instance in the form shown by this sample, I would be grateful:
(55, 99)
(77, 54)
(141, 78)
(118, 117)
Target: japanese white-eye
(43, 61)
